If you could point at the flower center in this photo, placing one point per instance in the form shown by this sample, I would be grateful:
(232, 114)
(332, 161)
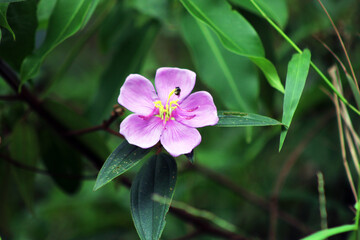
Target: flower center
(165, 112)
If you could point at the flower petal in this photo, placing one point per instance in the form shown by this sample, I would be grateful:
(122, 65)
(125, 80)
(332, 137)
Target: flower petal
(140, 131)
(197, 110)
(179, 139)
(138, 95)
(167, 79)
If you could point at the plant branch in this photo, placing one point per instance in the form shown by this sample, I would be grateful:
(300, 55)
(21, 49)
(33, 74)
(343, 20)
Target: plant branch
(248, 196)
(10, 77)
(42, 171)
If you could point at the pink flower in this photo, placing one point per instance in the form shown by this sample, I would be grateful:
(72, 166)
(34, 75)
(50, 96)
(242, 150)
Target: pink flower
(171, 115)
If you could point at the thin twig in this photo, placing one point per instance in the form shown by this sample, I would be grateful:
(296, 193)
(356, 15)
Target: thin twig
(248, 196)
(42, 171)
(10, 98)
(285, 170)
(342, 142)
(322, 201)
(341, 42)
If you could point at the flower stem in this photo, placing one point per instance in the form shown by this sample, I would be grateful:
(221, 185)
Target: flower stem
(327, 81)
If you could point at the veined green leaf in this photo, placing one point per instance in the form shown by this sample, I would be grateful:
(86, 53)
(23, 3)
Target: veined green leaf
(275, 9)
(66, 19)
(124, 157)
(235, 33)
(231, 76)
(157, 176)
(24, 149)
(298, 69)
(324, 234)
(3, 21)
(238, 119)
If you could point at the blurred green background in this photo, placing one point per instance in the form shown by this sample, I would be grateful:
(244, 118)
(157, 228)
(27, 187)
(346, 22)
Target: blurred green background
(79, 82)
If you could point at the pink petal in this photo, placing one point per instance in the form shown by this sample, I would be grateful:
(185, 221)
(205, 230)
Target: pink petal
(179, 139)
(138, 95)
(167, 79)
(140, 131)
(197, 110)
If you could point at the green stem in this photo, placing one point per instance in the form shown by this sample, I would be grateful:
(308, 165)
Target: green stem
(327, 81)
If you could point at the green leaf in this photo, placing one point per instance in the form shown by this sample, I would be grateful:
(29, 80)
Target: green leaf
(275, 9)
(73, 121)
(61, 160)
(124, 157)
(128, 58)
(44, 10)
(3, 21)
(238, 119)
(66, 19)
(11, 1)
(354, 89)
(298, 69)
(324, 234)
(231, 76)
(155, 8)
(235, 33)
(157, 176)
(13, 52)
(24, 149)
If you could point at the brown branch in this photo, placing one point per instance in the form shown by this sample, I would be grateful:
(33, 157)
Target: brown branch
(248, 196)
(290, 162)
(42, 171)
(10, 98)
(10, 77)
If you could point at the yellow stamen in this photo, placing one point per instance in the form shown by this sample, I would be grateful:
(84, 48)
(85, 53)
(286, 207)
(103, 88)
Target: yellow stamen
(168, 109)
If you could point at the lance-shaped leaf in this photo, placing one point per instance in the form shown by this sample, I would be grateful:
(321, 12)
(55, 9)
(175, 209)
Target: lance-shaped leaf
(238, 119)
(326, 233)
(124, 157)
(66, 19)
(24, 149)
(3, 21)
(298, 69)
(231, 76)
(157, 177)
(235, 33)
(275, 9)
(13, 52)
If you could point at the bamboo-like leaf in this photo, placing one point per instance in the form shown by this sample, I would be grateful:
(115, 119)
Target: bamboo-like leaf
(11, 1)
(66, 19)
(275, 9)
(156, 177)
(298, 69)
(231, 76)
(124, 157)
(324, 234)
(235, 33)
(238, 119)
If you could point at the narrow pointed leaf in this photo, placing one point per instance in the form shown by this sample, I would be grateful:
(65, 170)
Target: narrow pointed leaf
(24, 149)
(14, 52)
(231, 76)
(124, 157)
(3, 21)
(235, 33)
(275, 9)
(67, 17)
(157, 176)
(297, 73)
(238, 119)
(326, 233)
